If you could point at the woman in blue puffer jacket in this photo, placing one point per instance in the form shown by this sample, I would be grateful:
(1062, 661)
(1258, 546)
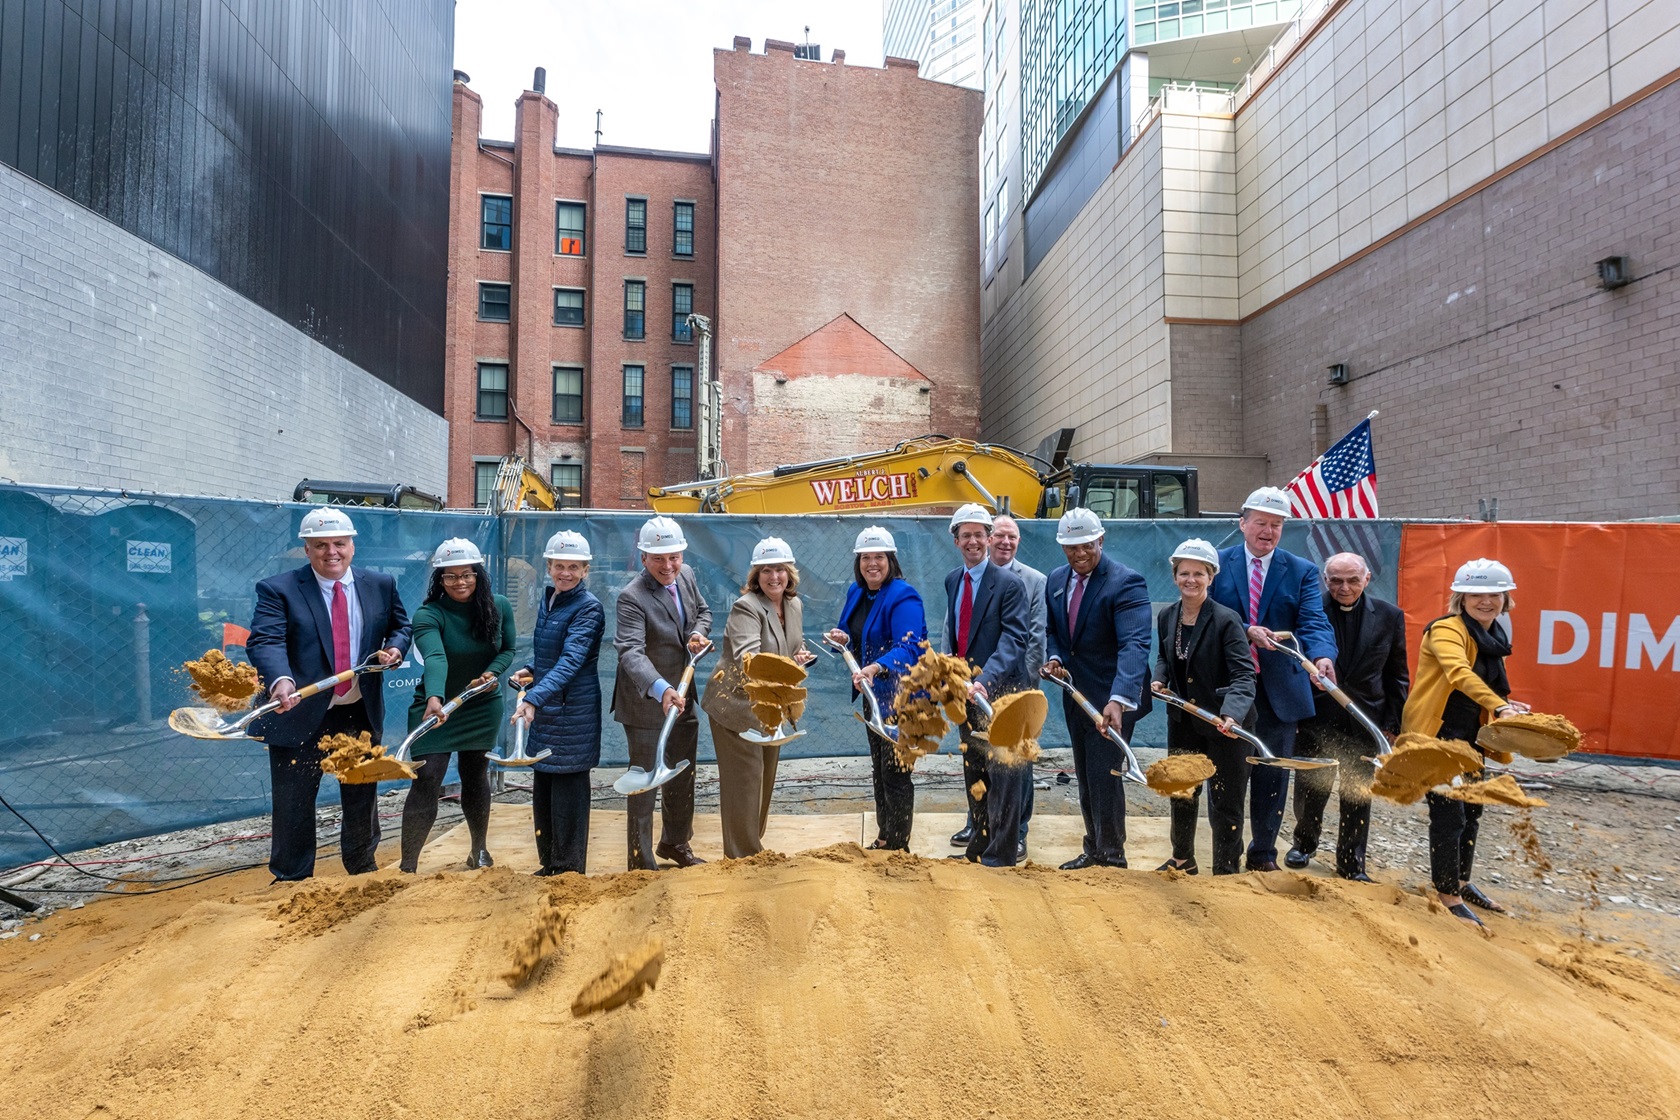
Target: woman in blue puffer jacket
(564, 705)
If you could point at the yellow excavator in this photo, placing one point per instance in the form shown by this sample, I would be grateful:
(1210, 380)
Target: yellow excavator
(936, 474)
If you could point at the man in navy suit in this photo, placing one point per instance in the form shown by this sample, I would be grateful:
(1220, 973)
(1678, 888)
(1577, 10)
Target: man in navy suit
(310, 624)
(1099, 621)
(1272, 590)
(990, 627)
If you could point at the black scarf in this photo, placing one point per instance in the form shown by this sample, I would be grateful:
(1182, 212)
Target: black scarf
(1462, 717)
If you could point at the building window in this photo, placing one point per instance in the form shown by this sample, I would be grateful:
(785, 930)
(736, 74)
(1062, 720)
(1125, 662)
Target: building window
(568, 229)
(682, 397)
(492, 391)
(635, 309)
(568, 395)
(682, 239)
(568, 307)
(682, 306)
(635, 225)
(496, 226)
(484, 481)
(493, 301)
(567, 480)
(632, 396)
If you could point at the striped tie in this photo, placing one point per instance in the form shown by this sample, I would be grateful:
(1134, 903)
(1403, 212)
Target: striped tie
(1256, 581)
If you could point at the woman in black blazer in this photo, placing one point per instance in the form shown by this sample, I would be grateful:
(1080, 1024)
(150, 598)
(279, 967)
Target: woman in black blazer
(1205, 658)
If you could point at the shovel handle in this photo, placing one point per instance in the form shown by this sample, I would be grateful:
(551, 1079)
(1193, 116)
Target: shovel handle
(1133, 772)
(1336, 694)
(876, 723)
(1206, 716)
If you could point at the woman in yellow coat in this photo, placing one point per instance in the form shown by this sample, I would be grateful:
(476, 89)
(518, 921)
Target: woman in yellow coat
(1459, 686)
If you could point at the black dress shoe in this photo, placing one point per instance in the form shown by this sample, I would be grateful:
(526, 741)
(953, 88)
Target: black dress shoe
(1474, 896)
(478, 859)
(545, 872)
(680, 854)
(962, 855)
(1459, 910)
(1356, 877)
(1261, 864)
(1188, 867)
(1295, 859)
(1079, 862)
(961, 837)
(1021, 851)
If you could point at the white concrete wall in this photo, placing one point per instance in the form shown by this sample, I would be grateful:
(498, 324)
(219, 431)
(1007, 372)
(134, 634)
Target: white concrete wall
(120, 365)
(1198, 212)
(1083, 343)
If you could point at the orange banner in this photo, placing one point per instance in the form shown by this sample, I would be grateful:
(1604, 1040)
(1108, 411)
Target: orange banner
(1596, 629)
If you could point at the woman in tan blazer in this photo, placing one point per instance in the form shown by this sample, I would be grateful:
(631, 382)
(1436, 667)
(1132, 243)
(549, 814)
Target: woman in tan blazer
(767, 618)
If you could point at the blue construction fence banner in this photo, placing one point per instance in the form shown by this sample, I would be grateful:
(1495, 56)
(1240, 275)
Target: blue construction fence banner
(103, 596)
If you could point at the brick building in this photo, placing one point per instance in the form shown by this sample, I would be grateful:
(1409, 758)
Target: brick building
(837, 269)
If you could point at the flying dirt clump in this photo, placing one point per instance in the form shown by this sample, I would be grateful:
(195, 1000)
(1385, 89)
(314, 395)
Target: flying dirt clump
(1502, 790)
(776, 687)
(1535, 735)
(354, 760)
(624, 979)
(1419, 764)
(1017, 722)
(542, 938)
(1179, 775)
(227, 686)
(931, 697)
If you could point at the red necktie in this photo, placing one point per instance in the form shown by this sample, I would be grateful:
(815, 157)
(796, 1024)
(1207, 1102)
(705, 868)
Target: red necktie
(1256, 581)
(341, 636)
(1074, 600)
(965, 616)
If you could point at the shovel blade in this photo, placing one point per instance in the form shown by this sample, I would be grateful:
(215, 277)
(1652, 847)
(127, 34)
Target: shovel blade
(205, 723)
(519, 759)
(1293, 763)
(636, 780)
(774, 739)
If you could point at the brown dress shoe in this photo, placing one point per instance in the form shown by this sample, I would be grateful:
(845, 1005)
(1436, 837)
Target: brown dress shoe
(1262, 865)
(680, 854)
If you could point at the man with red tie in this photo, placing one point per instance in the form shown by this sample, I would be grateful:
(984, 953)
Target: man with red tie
(312, 623)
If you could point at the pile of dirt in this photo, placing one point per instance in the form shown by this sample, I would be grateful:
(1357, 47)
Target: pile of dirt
(624, 979)
(832, 983)
(354, 760)
(775, 685)
(1017, 721)
(316, 909)
(1544, 738)
(227, 686)
(1419, 763)
(1502, 790)
(931, 697)
(1179, 775)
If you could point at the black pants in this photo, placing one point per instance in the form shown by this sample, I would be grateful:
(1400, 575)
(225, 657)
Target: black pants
(1452, 841)
(1025, 777)
(1102, 795)
(295, 775)
(1268, 785)
(421, 807)
(560, 813)
(1225, 800)
(895, 794)
(1321, 738)
(997, 811)
(676, 797)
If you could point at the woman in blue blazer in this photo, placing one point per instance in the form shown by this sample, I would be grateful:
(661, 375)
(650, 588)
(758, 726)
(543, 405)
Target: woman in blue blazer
(883, 622)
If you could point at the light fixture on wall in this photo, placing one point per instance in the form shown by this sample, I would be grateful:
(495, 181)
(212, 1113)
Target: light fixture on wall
(1613, 272)
(1338, 374)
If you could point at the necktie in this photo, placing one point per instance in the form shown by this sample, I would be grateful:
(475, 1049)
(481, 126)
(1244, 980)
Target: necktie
(1256, 581)
(965, 615)
(677, 599)
(341, 636)
(1074, 600)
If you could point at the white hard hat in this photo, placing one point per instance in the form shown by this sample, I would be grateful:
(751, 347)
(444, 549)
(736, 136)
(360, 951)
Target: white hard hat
(875, 539)
(1269, 499)
(971, 514)
(456, 551)
(660, 536)
(772, 550)
(1197, 549)
(326, 522)
(1079, 526)
(566, 545)
(1483, 577)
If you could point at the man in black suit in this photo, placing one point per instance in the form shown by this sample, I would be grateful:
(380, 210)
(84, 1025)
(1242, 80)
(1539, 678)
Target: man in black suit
(309, 624)
(1371, 669)
(990, 627)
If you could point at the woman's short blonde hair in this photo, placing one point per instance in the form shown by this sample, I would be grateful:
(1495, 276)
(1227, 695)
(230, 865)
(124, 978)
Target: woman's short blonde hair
(1455, 602)
(752, 578)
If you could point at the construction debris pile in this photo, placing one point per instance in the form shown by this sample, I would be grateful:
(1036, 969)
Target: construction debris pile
(225, 685)
(1179, 775)
(776, 687)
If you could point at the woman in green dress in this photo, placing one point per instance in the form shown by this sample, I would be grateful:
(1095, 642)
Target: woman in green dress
(464, 634)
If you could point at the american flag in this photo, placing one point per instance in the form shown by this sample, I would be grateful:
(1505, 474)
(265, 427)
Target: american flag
(1342, 482)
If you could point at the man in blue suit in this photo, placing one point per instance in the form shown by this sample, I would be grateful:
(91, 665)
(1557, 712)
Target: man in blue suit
(1099, 621)
(1273, 590)
(990, 627)
(310, 624)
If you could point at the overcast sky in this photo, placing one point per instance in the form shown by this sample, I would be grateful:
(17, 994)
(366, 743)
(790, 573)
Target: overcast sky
(648, 65)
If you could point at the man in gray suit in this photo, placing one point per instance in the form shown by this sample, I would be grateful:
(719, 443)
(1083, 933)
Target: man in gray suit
(662, 619)
(989, 627)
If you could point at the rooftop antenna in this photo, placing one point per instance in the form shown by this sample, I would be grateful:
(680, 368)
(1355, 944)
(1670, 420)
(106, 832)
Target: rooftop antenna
(597, 128)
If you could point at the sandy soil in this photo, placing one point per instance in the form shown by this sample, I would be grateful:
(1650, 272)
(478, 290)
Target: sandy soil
(835, 983)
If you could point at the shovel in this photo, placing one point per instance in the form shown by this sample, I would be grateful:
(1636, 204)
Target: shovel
(636, 780)
(873, 721)
(1289, 644)
(1133, 772)
(783, 733)
(208, 723)
(1265, 757)
(398, 766)
(521, 730)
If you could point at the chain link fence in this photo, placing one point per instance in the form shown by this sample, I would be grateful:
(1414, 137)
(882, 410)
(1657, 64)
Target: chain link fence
(104, 594)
